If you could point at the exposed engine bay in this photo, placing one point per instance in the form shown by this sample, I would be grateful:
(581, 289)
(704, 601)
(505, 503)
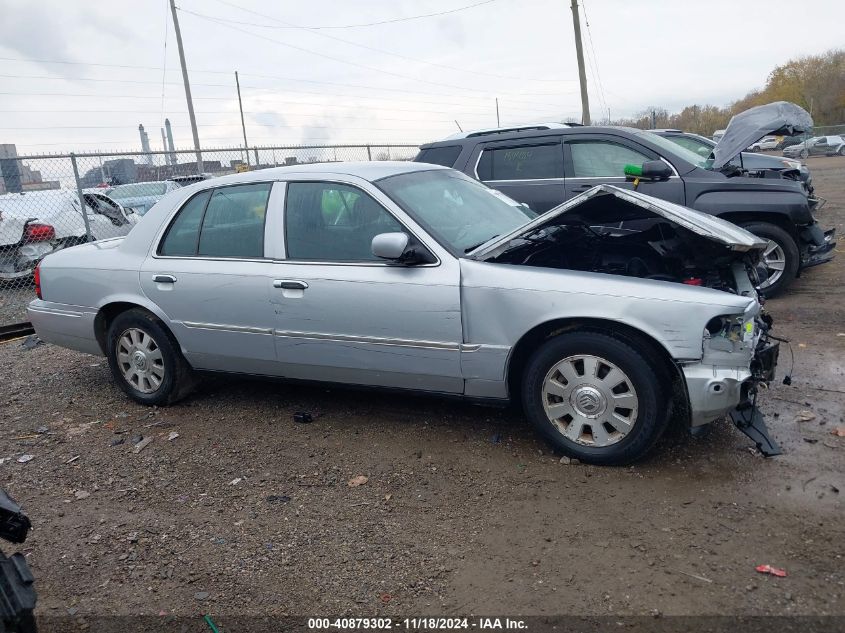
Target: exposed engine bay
(608, 235)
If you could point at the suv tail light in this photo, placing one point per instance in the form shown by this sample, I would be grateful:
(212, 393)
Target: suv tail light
(36, 277)
(38, 233)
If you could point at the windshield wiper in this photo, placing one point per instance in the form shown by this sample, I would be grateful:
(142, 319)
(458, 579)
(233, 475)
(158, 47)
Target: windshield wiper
(474, 246)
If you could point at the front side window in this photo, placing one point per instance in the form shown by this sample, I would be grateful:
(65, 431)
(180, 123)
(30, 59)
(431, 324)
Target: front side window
(527, 162)
(600, 159)
(224, 222)
(457, 210)
(327, 221)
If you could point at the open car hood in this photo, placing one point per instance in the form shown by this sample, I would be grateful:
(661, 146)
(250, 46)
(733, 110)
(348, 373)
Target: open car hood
(611, 205)
(780, 118)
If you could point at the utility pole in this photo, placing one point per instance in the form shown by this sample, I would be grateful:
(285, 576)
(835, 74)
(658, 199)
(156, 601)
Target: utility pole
(653, 118)
(498, 123)
(187, 86)
(243, 125)
(582, 74)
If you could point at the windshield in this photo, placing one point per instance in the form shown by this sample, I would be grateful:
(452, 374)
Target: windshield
(457, 210)
(676, 150)
(698, 145)
(138, 190)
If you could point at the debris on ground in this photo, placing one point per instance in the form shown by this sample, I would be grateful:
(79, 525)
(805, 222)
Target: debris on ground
(32, 341)
(357, 480)
(143, 444)
(496, 438)
(172, 436)
(23, 459)
(201, 595)
(117, 441)
(137, 437)
(302, 417)
(72, 459)
(568, 461)
(772, 571)
(41, 430)
(839, 431)
(805, 416)
(81, 494)
(236, 481)
(278, 498)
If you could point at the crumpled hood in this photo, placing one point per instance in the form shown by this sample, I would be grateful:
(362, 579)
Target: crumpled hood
(703, 224)
(780, 118)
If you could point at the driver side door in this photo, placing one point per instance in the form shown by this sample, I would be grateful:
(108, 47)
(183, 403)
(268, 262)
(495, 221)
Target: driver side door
(592, 160)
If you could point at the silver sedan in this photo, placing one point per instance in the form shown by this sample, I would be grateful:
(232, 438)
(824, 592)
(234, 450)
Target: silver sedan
(605, 318)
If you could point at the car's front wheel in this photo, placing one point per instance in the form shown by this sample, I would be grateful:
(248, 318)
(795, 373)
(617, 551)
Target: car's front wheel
(595, 398)
(145, 359)
(781, 259)
(804, 153)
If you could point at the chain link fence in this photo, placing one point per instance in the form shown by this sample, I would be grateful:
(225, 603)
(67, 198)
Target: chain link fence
(50, 202)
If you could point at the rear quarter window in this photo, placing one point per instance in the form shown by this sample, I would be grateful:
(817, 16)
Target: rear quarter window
(446, 156)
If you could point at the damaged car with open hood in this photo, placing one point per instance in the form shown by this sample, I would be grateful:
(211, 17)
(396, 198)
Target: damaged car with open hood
(545, 165)
(605, 319)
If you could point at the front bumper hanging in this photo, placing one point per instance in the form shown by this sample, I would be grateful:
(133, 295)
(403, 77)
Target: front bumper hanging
(747, 416)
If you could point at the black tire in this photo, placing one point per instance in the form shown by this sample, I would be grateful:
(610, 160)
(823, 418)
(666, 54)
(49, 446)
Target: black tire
(649, 383)
(178, 378)
(804, 153)
(787, 244)
(841, 151)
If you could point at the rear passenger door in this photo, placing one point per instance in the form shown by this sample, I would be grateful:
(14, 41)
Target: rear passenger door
(596, 159)
(211, 275)
(528, 170)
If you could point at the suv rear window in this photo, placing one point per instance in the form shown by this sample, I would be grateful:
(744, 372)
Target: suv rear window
(527, 162)
(445, 156)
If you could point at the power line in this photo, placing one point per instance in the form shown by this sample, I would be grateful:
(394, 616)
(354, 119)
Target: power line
(338, 59)
(228, 87)
(364, 46)
(263, 76)
(379, 23)
(595, 61)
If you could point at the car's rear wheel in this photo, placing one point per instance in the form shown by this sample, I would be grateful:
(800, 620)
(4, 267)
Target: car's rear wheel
(841, 151)
(595, 398)
(804, 153)
(781, 259)
(145, 359)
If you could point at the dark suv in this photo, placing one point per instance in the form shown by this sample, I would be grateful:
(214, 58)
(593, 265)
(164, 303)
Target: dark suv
(542, 166)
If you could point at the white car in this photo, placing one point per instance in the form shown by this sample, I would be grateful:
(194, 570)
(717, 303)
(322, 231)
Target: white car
(767, 142)
(34, 224)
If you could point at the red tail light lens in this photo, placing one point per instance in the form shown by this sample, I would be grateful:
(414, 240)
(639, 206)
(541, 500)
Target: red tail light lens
(36, 277)
(694, 281)
(39, 233)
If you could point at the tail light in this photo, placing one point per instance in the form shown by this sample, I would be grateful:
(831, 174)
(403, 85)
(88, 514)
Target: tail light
(693, 281)
(36, 277)
(38, 233)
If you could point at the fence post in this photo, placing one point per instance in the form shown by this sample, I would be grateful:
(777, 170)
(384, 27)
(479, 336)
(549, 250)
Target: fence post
(82, 204)
(369, 153)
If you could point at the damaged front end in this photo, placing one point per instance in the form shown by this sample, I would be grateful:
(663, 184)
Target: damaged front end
(621, 232)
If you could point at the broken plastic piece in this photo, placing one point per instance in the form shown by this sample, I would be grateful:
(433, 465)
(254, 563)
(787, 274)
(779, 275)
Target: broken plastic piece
(750, 421)
(772, 571)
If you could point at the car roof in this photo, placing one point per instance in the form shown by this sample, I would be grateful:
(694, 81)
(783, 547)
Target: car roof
(535, 133)
(368, 170)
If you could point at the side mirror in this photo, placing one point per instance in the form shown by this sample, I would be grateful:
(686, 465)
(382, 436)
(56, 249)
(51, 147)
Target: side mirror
(656, 170)
(397, 248)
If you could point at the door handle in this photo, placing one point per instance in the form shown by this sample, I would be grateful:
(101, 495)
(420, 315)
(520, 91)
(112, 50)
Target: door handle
(290, 284)
(164, 279)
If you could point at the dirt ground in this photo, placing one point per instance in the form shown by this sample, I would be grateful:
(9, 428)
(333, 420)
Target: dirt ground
(464, 510)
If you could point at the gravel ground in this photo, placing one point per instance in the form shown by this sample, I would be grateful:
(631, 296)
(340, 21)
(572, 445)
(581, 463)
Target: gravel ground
(463, 510)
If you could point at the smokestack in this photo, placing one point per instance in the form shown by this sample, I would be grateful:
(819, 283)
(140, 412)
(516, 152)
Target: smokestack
(145, 143)
(173, 159)
(164, 147)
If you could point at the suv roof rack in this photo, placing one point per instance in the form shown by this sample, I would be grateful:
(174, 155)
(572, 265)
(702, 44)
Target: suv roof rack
(506, 130)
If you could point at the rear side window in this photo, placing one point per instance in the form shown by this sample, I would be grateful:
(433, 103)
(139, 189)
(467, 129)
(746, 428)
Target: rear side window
(224, 222)
(445, 156)
(528, 162)
(183, 234)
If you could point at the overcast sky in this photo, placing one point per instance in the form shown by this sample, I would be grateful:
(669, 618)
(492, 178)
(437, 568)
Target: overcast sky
(405, 81)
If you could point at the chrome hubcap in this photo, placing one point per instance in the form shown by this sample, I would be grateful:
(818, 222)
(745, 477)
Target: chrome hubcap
(140, 360)
(774, 260)
(589, 400)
